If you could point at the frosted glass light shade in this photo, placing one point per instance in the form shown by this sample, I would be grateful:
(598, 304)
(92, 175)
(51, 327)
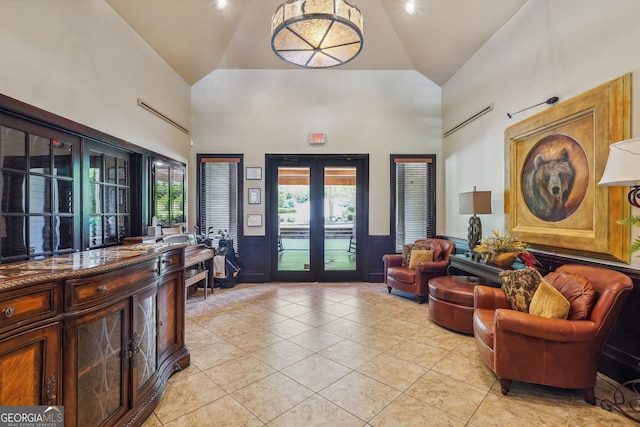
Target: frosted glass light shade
(317, 33)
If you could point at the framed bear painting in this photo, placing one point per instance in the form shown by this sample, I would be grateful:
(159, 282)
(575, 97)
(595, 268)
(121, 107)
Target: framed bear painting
(554, 162)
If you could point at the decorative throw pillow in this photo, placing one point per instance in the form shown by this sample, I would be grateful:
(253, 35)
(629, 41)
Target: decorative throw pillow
(406, 251)
(419, 255)
(519, 286)
(577, 290)
(547, 301)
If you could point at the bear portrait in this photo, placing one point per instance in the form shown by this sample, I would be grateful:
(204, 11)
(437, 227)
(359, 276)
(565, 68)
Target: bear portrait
(548, 180)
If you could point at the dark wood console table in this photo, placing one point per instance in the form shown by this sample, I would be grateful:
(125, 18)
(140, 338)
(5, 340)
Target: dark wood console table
(463, 264)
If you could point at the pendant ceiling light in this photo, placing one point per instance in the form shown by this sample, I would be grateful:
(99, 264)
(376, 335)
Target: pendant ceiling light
(317, 33)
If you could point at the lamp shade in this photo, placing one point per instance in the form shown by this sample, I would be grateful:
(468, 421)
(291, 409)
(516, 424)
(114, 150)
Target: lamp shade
(623, 164)
(475, 202)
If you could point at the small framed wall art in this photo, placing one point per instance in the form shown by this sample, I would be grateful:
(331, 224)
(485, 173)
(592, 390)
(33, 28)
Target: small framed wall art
(254, 196)
(254, 173)
(254, 220)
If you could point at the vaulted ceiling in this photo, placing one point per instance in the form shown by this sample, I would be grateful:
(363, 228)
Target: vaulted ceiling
(195, 38)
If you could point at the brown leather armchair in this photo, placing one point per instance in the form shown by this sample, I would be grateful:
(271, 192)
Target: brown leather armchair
(554, 352)
(417, 281)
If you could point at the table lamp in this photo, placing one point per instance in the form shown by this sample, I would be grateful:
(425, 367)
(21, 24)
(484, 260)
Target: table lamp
(475, 203)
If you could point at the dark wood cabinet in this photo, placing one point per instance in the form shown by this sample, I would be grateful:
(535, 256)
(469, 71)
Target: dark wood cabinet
(100, 335)
(30, 367)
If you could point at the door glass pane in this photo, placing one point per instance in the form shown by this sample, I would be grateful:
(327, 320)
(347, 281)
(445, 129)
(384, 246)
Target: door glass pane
(39, 154)
(39, 194)
(39, 234)
(110, 166)
(12, 148)
(64, 196)
(110, 229)
(13, 236)
(65, 232)
(294, 215)
(12, 186)
(62, 158)
(95, 230)
(339, 218)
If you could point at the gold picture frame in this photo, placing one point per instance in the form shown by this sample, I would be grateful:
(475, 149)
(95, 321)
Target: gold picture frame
(554, 161)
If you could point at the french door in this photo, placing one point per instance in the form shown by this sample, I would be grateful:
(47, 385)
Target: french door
(316, 217)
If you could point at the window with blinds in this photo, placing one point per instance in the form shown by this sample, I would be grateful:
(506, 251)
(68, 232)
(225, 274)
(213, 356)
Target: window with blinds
(219, 183)
(413, 188)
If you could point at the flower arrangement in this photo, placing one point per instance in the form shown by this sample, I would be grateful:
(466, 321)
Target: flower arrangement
(503, 250)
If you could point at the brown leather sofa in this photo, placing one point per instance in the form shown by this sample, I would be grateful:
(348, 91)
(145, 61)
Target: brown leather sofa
(417, 281)
(554, 352)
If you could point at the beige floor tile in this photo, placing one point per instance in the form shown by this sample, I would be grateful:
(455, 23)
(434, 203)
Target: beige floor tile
(316, 318)
(317, 412)
(344, 327)
(350, 354)
(360, 395)
(186, 395)
(266, 317)
(234, 328)
(398, 327)
(498, 411)
(316, 372)
(367, 317)
(407, 411)
(210, 355)
(239, 372)
(472, 370)
(224, 412)
(392, 371)
(316, 339)
(448, 394)
(339, 309)
(377, 338)
(288, 328)
(416, 352)
(292, 310)
(271, 396)
(389, 339)
(254, 340)
(282, 354)
(199, 336)
(152, 421)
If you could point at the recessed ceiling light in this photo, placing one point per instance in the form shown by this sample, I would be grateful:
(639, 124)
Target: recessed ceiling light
(410, 7)
(220, 4)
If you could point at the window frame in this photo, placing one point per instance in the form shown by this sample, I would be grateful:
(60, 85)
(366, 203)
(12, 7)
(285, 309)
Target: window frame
(431, 194)
(201, 197)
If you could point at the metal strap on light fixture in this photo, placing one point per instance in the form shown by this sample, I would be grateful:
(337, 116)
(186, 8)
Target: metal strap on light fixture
(317, 33)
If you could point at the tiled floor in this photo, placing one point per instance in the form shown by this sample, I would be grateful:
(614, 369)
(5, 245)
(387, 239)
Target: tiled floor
(346, 354)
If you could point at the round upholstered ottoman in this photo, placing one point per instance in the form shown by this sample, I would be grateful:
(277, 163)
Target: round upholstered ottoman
(451, 302)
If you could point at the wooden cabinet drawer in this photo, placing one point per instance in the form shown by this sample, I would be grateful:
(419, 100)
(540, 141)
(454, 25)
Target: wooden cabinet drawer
(85, 292)
(29, 305)
(171, 261)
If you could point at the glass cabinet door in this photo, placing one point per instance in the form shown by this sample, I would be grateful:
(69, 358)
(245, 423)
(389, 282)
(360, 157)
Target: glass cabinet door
(143, 340)
(103, 360)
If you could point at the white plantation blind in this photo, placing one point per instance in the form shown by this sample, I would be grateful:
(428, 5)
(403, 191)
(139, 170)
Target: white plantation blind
(219, 185)
(414, 200)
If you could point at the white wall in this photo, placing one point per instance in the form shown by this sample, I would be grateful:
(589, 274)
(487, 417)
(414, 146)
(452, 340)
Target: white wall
(273, 111)
(549, 48)
(80, 60)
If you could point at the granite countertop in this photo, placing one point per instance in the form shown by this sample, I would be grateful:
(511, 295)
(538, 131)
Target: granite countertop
(77, 264)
